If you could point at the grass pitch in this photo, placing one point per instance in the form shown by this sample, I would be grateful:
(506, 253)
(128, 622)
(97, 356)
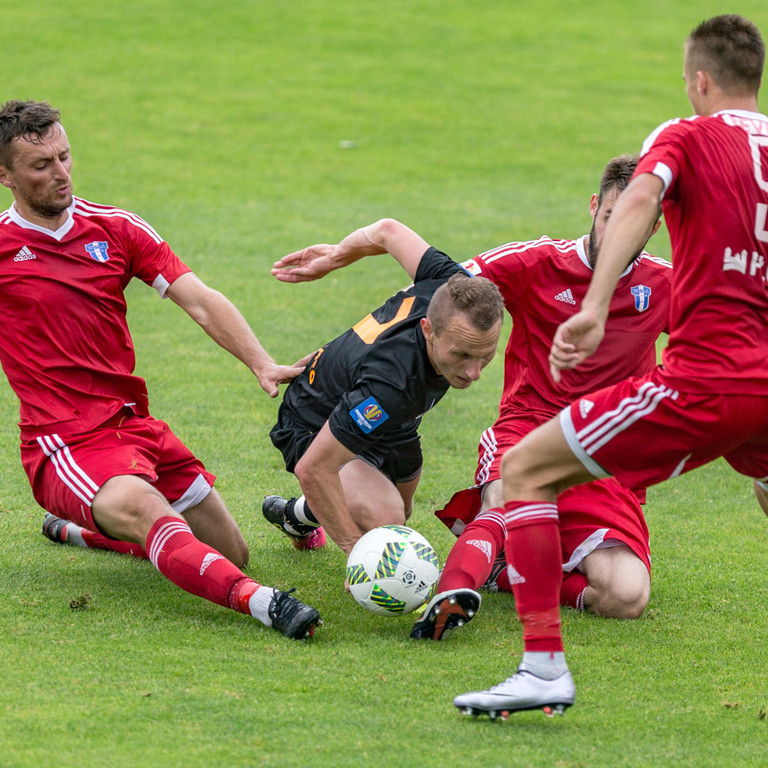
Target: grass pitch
(247, 130)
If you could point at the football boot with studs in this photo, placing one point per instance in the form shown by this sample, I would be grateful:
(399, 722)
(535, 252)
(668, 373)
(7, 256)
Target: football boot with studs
(276, 510)
(291, 617)
(522, 691)
(55, 528)
(445, 612)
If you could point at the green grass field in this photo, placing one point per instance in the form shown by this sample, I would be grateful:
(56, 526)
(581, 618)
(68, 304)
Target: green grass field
(243, 131)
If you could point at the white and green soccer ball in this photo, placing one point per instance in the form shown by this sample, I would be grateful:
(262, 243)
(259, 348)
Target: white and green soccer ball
(391, 570)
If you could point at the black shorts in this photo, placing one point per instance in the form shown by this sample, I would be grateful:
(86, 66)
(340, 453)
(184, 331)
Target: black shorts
(399, 459)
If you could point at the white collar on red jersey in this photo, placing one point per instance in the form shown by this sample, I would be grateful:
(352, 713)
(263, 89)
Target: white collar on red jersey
(57, 234)
(581, 249)
(741, 113)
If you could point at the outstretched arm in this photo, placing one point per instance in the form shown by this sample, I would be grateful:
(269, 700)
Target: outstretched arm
(383, 236)
(628, 229)
(222, 321)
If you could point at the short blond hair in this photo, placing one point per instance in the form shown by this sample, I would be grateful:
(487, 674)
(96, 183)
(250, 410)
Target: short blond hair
(477, 297)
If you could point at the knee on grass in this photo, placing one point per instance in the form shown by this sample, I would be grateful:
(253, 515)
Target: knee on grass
(624, 600)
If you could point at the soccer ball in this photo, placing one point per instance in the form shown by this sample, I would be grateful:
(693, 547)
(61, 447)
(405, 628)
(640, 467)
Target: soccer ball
(391, 570)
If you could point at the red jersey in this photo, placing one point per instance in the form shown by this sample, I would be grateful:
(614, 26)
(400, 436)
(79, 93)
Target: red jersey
(64, 340)
(543, 283)
(715, 174)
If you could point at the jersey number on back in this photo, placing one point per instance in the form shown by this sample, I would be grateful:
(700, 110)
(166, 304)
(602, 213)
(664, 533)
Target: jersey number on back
(759, 145)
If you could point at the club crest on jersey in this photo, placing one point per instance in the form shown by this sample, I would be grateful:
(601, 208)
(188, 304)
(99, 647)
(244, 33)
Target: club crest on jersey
(642, 294)
(368, 415)
(98, 250)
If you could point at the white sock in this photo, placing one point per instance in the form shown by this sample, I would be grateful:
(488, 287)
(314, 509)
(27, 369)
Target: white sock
(259, 602)
(300, 514)
(75, 536)
(544, 664)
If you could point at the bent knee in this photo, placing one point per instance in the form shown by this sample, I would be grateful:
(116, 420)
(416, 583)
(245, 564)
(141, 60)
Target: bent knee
(526, 475)
(127, 506)
(240, 554)
(630, 609)
(627, 601)
(512, 463)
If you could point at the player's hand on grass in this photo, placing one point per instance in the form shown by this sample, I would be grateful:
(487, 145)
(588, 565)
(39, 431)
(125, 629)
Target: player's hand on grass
(575, 340)
(310, 263)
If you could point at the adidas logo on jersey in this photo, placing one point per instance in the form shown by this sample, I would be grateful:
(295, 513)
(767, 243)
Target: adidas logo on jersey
(585, 406)
(566, 296)
(24, 255)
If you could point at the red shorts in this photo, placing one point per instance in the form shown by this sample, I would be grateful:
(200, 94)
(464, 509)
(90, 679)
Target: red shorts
(66, 472)
(644, 431)
(597, 514)
(508, 430)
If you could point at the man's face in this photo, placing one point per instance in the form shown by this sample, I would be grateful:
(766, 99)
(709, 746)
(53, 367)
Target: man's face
(460, 351)
(40, 179)
(600, 214)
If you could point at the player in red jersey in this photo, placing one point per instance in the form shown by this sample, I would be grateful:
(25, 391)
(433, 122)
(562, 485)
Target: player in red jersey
(91, 450)
(605, 542)
(709, 398)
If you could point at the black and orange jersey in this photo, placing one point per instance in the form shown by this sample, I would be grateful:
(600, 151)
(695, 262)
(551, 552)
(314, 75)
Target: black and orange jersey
(374, 382)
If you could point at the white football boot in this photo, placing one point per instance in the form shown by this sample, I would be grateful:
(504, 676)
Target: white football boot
(520, 692)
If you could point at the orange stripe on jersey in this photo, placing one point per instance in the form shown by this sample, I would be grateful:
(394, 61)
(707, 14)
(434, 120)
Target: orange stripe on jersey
(369, 328)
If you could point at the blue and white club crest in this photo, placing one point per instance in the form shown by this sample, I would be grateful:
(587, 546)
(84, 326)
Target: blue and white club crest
(98, 250)
(642, 294)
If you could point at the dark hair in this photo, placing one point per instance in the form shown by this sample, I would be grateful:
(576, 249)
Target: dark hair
(731, 50)
(23, 118)
(477, 297)
(617, 174)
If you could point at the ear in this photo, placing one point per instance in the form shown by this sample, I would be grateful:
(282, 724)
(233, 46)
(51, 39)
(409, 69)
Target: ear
(593, 205)
(5, 177)
(655, 228)
(703, 82)
(426, 329)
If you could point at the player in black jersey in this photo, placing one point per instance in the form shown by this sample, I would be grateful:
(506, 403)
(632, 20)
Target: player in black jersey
(348, 425)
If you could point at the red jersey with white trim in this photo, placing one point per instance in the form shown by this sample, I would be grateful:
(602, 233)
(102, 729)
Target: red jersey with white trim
(715, 174)
(64, 340)
(543, 283)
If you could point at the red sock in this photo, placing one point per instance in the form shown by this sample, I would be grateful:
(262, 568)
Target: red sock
(196, 567)
(572, 590)
(469, 561)
(503, 584)
(95, 540)
(532, 547)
